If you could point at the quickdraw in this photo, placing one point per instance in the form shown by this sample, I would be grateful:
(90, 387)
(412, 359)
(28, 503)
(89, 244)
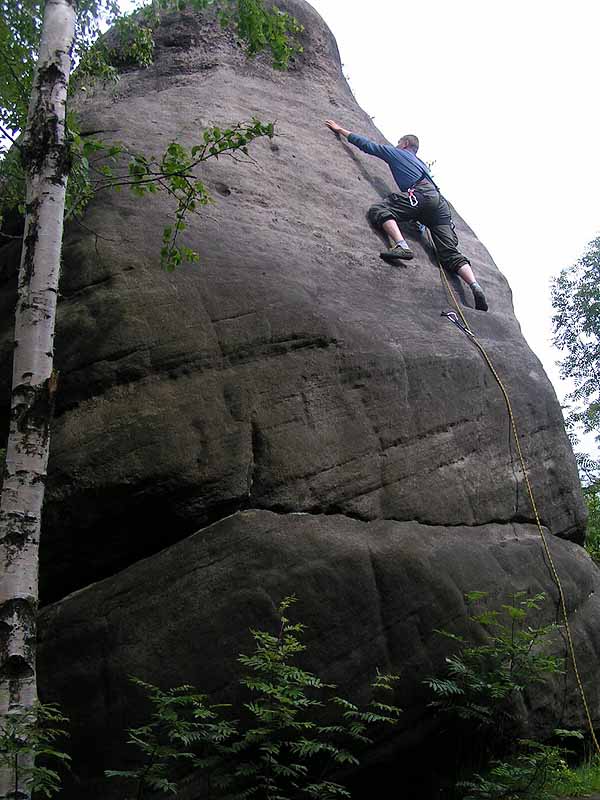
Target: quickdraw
(412, 198)
(453, 317)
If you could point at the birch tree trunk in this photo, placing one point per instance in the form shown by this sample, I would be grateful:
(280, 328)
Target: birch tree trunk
(46, 163)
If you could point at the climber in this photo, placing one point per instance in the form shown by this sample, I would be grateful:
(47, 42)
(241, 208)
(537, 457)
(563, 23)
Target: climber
(419, 200)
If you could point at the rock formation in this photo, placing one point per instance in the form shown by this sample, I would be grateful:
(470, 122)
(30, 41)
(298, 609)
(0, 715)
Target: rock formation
(291, 415)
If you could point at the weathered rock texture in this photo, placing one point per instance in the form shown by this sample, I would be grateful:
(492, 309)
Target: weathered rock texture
(372, 595)
(291, 371)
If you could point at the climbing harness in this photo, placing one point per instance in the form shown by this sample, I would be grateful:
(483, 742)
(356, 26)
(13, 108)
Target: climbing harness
(464, 326)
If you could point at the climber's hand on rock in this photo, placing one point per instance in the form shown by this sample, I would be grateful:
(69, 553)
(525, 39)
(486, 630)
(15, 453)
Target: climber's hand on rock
(335, 127)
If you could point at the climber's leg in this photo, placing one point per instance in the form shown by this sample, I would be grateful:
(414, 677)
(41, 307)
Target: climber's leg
(467, 274)
(393, 232)
(386, 215)
(399, 249)
(446, 243)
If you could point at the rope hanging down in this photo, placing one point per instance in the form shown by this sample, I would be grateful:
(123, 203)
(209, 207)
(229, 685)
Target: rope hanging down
(464, 326)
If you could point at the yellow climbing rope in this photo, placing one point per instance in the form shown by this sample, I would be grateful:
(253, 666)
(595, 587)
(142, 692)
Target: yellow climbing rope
(553, 569)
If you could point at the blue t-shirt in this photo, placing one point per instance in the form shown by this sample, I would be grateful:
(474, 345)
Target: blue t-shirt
(406, 168)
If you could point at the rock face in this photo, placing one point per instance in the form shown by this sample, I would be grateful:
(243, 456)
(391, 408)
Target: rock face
(291, 372)
(292, 369)
(371, 593)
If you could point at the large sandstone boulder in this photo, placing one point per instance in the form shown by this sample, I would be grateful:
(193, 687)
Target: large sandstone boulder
(371, 593)
(291, 369)
(299, 406)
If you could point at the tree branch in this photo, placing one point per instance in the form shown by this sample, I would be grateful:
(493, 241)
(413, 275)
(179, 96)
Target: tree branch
(4, 132)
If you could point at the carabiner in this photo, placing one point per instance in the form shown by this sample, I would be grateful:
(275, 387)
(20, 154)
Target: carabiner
(453, 317)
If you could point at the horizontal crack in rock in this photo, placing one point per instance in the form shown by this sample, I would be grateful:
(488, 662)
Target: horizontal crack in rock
(335, 512)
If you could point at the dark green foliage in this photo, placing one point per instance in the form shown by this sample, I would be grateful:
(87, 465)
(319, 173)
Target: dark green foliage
(580, 781)
(185, 729)
(482, 690)
(576, 320)
(29, 748)
(20, 28)
(130, 44)
(135, 37)
(592, 542)
(531, 774)
(20, 33)
(296, 732)
(259, 26)
(263, 28)
(484, 683)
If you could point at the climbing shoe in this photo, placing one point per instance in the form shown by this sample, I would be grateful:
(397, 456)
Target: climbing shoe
(397, 253)
(479, 297)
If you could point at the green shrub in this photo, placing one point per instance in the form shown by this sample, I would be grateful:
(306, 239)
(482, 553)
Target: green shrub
(297, 736)
(29, 741)
(592, 543)
(484, 683)
(483, 688)
(578, 781)
(531, 774)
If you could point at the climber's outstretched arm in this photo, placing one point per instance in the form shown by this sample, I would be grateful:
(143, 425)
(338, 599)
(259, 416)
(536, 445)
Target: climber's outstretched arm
(384, 151)
(337, 128)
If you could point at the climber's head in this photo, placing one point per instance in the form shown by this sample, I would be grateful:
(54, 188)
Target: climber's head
(409, 142)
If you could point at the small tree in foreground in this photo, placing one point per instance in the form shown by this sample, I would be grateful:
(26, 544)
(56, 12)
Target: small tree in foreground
(530, 774)
(295, 736)
(484, 683)
(592, 542)
(483, 689)
(30, 753)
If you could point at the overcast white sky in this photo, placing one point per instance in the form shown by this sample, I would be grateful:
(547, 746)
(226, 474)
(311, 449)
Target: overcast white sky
(503, 96)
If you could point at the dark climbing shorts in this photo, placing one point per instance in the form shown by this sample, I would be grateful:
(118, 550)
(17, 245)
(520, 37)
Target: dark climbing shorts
(431, 210)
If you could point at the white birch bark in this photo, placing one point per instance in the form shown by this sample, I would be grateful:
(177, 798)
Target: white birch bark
(45, 155)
